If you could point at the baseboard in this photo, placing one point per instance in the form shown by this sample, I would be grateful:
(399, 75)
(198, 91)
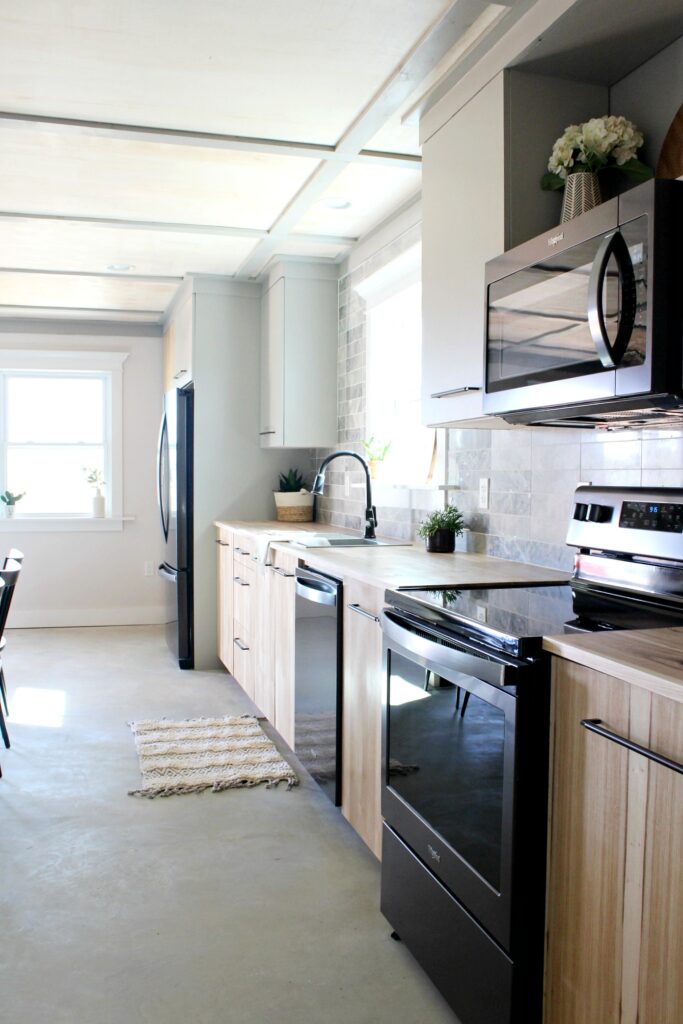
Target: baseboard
(48, 617)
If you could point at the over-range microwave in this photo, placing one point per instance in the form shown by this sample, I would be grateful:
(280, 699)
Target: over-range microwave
(584, 325)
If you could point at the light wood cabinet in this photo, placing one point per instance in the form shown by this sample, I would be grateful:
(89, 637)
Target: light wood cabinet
(282, 622)
(226, 586)
(299, 325)
(178, 339)
(615, 882)
(361, 729)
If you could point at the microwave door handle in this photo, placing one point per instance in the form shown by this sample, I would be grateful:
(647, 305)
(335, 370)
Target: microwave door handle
(610, 354)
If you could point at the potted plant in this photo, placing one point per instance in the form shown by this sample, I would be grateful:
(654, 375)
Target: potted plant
(94, 477)
(293, 503)
(441, 528)
(10, 501)
(375, 453)
(584, 151)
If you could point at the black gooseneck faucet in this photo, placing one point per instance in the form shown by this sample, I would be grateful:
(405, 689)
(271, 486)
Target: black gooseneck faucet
(370, 510)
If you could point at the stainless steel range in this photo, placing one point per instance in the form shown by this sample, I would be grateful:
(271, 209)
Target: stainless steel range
(465, 746)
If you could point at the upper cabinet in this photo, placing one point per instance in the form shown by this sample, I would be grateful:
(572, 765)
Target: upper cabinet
(481, 195)
(299, 317)
(178, 335)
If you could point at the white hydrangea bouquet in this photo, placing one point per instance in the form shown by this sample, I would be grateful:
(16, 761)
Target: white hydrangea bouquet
(599, 144)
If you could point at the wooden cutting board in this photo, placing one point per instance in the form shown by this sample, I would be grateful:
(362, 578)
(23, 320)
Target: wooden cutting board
(670, 163)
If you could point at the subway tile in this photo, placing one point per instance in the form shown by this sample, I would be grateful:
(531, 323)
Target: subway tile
(554, 457)
(555, 481)
(552, 506)
(508, 525)
(510, 480)
(609, 436)
(666, 453)
(613, 477)
(511, 458)
(611, 455)
(469, 438)
(512, 502)
(541, 436)
(662, 478)
(511, 439)
(549, 531)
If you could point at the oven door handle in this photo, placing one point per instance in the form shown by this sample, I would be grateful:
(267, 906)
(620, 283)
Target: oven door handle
(448, 658)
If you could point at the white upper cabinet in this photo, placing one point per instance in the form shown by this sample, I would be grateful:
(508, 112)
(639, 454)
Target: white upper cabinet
(462, 227)
(178, 338)
(299, 317)
(481, 194)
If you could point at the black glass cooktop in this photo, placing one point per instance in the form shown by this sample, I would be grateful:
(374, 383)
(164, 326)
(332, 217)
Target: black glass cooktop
(512, 619)
(515, 619)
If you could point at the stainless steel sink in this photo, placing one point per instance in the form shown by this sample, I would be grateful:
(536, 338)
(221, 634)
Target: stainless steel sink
(363, 542)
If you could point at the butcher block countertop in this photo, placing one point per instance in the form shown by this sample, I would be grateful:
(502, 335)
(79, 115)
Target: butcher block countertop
(405, 566)
(649, 658)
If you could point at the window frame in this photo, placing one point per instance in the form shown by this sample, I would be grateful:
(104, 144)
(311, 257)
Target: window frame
(87, 363)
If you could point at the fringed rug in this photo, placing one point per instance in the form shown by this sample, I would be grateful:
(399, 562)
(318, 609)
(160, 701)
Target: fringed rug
(206, 753)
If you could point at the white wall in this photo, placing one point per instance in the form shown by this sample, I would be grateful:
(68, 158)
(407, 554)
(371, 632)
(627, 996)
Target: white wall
(97, 578)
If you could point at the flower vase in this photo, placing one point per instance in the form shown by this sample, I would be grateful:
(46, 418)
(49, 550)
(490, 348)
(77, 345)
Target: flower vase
(9, 511)
(98, 504)
(581, 193)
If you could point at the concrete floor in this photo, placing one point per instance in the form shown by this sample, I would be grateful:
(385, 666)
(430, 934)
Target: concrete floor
(242, 907)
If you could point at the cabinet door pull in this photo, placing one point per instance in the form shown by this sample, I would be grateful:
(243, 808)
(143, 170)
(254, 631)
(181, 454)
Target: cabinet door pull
(179, 374)
(281, 572)
(238, 643)
(595, 725)
(237, 579)
(238, 551)
(453, 391)
(262, 433)
(362, 611)
(223, 543)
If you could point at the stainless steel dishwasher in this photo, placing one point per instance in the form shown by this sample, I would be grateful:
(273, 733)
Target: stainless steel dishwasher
(318, 679)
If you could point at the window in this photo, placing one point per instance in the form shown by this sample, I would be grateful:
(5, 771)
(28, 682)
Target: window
(60, 419)
(394, 371)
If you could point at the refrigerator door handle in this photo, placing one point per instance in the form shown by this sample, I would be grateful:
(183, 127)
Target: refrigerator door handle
(163, 447)
(167, 573)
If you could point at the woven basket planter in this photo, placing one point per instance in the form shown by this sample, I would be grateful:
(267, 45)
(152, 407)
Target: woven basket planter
(293, 506)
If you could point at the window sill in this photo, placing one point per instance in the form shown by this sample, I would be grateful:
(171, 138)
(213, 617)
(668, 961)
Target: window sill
(63, 524)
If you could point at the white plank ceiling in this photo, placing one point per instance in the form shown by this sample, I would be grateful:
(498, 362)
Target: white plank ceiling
(140, 142)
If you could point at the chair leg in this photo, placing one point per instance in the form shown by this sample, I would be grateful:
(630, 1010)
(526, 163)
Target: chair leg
(3, 689)
(464, 704)
(3, 730)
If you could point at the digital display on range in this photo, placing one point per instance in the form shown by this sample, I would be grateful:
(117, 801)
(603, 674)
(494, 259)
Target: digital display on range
(664, 517)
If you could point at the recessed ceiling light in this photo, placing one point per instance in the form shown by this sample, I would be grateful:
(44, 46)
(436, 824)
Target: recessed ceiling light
(335, 203)
(120, 266)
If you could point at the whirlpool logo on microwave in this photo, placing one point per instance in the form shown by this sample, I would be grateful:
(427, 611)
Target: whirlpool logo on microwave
(433, 854)
(556, 239)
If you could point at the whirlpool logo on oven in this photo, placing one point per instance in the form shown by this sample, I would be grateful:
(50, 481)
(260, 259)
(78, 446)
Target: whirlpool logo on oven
(433, 854)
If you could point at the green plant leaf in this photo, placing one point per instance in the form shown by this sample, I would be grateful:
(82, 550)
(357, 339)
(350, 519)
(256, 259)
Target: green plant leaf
(551, 182)
(637, 170)
(449, 518)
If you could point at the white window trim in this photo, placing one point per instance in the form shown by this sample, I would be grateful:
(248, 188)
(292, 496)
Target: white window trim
(33, 361)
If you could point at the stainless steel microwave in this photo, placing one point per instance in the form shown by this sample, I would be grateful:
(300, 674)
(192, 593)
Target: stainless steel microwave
(584, 325)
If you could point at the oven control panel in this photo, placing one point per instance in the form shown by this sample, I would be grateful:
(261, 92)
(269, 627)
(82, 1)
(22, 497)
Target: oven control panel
(644, 515)
(640, 521)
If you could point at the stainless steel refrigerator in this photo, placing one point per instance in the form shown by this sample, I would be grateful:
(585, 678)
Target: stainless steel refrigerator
(175, 495)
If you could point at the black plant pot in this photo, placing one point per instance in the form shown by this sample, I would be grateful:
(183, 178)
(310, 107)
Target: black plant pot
(442, 541)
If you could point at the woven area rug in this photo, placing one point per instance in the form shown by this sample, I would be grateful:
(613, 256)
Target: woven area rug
(206, 753)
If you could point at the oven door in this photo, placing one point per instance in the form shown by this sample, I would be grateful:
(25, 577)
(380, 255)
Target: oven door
(448, 767)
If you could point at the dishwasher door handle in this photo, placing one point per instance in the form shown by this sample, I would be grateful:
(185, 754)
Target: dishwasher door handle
(362, 611)
(317, 591)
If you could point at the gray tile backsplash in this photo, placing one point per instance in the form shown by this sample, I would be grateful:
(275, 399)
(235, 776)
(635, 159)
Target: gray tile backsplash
(532, 471)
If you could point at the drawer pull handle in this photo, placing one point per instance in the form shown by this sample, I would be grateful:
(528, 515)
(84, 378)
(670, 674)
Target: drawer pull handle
(362, 611)
(262, 433)
(223, 543)
(281, 572)
(453, 391)
(237, 579)
(179, 374)
(238, 643)
(595, 725)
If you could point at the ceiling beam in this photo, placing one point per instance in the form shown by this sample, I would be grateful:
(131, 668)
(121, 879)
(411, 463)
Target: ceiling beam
(117, 275)
(205, 140)
(170, 226)
(434, 44)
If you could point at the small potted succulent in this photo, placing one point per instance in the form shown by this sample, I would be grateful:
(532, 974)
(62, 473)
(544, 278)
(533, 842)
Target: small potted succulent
(94, 477)
(10, 501)
(293, 502)
(441, 528)
(375, 453)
